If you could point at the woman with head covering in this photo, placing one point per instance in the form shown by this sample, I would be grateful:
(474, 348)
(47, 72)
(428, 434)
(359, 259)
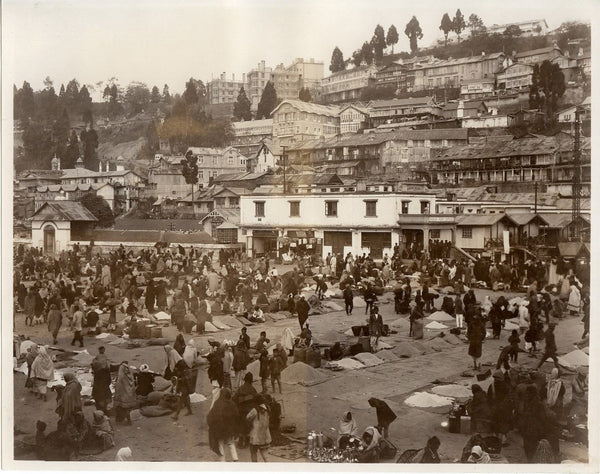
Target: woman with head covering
(385, 415)
(190, 354)
(348, 425)
(179, 345)
(42, 370)
(479, 410)
(124, 399)
(478, 456)
(144, 379)
(101, 384)
(260, 435)
(124, 454)
(31, 354)
(223, 423)
(103, 429)
(371, 438)
(172, 358)
(54, 322)
(500, 404)
(70, 401)
(240, 362)
(475, 335)
(245, 399)
(555, 391)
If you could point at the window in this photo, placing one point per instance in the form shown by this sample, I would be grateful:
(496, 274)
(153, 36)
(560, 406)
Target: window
(467, 233)
(201, 174)
(294, 208)
(234, 202)
(220, 202)
(405, 207)
(434, 234)
(259, 208)
(371, 208)
(331, 208)
(230, 160)
(424, 207)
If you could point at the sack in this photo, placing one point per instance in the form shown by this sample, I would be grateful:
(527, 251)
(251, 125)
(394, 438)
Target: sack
(528, 346)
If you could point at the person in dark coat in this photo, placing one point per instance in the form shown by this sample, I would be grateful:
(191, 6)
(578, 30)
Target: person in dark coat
(302, 307)
(245, 398)
(348, 299)
(101, 384)
(385, 415)
(480, 412)
(501, 404)
(179, 345)
(475, 334)
(223, 425)
(550, 348)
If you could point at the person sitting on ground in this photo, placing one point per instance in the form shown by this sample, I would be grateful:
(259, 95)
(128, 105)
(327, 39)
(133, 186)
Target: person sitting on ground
(103, 430)
(144, 379)
(371, 439)
(478, 456)
(257, 315)
(348, 425)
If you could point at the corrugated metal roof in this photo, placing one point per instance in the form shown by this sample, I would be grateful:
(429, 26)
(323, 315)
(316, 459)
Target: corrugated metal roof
(569, 249)
(63, 211)
(308, 107)
(557, 221)
(481, 219)
(533, 52)
(523, 218)
(385, 103)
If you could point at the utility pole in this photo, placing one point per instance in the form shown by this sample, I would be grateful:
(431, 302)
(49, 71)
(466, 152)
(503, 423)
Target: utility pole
(284, 159)
(536, 198)
(576, 209)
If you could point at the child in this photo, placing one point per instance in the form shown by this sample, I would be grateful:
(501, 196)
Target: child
(264, 371)
(514, 340)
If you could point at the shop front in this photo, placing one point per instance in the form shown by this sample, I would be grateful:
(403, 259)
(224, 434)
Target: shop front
(337, 242)
(300, 243)
(376, 244)
(264, 243)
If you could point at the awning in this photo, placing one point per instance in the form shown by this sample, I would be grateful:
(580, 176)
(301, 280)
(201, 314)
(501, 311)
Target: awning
(267, 234)
(300, 234)
(227, 225)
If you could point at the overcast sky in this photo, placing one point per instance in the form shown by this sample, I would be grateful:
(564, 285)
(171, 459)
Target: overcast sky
(160, 42)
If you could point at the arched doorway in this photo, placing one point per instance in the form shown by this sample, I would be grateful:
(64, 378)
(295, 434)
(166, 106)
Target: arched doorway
(49, 239)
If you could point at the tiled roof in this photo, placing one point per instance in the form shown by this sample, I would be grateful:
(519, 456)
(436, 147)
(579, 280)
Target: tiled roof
(63, 211)
(311, 108)
(523, 218)
(533, 52)
(375, 104)
(481, 219)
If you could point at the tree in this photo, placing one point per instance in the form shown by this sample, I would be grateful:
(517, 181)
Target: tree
(304, 95)
(189, 170)
(446, 26)
(71, 96)
(155, 95)
(512, 31)
(89, 139)
(106, 95)
(25, 102)
(72, 151)
(165, 94)
(48, 82)
(378, 43)
(190, 95)
(392, 37)
(137, 97)
(60, 131)
(357, 58)
(37, 147)
(98, 206)
(366, 51)
(337, 61)
(550, 81)
(241, 108)
(268, 102)
(46, 103)
(414, 32)
(475, 24)
(458, 23)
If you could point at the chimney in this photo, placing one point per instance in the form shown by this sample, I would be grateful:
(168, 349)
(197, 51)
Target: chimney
(58, 164)
(232, 77)
(100, 166)
(222, 76)
(244, 78)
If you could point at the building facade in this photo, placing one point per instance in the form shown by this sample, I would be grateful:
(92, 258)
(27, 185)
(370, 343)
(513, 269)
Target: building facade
(528, 28)
(295, 121)
(517, 76)
(224, 91)
(347, 85)
(247, 135)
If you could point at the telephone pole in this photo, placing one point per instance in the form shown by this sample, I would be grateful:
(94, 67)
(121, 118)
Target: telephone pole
(284, 159)
(576, 209)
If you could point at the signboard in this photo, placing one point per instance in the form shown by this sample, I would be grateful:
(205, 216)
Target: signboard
(506, 241)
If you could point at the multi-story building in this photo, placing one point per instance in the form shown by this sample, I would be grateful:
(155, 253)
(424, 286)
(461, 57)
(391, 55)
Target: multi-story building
(347, 85)
(310, 72)
(247, 135)
(526, 160)
(517, 77)
(337, 223)
(401, 73)
(74, 192)
(528, 28)
(452, 72)
(477, 88)
(287, 82)
(257, 79)
(223, 91)
(167, 181)
(295, 121)
(538, 56)
(375, 152)
(353, 117)
(402, 110)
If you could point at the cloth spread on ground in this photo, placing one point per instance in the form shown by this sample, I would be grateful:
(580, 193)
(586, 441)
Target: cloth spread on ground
(368, 359)
(427, 400)
(452, 390)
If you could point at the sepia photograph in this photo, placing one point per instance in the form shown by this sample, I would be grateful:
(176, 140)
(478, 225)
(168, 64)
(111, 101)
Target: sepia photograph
(311, 232)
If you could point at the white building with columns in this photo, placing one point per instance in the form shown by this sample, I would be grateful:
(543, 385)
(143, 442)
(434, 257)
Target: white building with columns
(338, 223)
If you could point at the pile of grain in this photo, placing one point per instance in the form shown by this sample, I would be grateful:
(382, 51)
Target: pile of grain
(387, 356)
(302, 374)
(406, 350)
(427, 400)
(368, 359)
(452, 390)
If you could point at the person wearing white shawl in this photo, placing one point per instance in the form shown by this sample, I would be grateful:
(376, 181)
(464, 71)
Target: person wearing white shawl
(574, 304)
(287, 339)
(172, 358)
(190, 354)
(479, 456)
(554, 387)
(124, 454)
(348, 425)
(42, 371)
(371, 438)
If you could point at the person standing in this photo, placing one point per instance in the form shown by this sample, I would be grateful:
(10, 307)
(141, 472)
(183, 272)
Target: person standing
(385, 415)
(240, 362)
(475, 335)
(550, 348)
(375, 327)
(302, 308)
(125, 398)
(101, 384)
(260, 435)
(70, 401)
(223, 426)
(348, 300)
(42, 371)
(77, 326)
(264, 370)
(54, 322)
(277, 363)
(459, 310)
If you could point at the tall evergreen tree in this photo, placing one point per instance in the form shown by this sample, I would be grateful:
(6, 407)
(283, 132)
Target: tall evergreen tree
(304, 95)
(392, 37)
(165, 94)
(72, 152)
(268, 102)
(189, 170)
(414, 32)
(337, 61)
(475, 24)
(241, 108)
(155, 95)
(378, 43)
(357, 58)
(458, 24)
(446, 26)
(26, 102)
(190, 95)
(89, 140)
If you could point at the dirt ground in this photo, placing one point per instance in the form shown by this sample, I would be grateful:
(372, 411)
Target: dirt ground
(318, 407)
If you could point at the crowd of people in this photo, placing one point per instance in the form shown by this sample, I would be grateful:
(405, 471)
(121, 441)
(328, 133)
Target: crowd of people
(193, 286)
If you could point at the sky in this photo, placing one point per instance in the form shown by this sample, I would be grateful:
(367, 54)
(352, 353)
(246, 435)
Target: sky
(158, 42)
